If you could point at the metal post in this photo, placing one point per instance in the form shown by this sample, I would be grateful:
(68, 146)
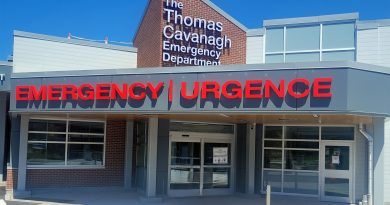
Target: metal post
(268, 197)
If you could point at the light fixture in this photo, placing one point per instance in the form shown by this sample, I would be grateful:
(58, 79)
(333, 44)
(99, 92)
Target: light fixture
(223, 115)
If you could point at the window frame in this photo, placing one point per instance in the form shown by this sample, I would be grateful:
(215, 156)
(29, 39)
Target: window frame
(321, 50)
(67, 142)
(283, 149)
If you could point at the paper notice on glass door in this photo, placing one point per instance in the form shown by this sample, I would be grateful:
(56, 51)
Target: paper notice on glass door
(335, 159)
(220, 155)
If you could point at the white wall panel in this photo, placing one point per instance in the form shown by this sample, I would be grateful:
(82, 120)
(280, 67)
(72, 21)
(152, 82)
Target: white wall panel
(373, 46)
(254, 50)
(39, 55)
(384, 45)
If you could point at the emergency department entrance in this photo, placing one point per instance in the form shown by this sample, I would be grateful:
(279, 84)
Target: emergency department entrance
(201, 160)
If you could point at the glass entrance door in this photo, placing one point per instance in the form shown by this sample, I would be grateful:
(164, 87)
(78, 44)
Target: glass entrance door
(337, 172)
(200, 164)
(216, 168)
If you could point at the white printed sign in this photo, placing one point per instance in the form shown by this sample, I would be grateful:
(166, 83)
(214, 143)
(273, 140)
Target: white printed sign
(220, 155)
(335, 159)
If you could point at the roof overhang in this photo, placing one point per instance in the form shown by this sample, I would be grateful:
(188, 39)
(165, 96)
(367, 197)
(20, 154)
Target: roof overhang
(356, 89)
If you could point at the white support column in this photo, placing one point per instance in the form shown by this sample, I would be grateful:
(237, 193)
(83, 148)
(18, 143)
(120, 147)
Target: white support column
(152, 157)
(129, 154)
(387, 160)
(22, 167)
(251, 158)
(379, 125)
(3, 122)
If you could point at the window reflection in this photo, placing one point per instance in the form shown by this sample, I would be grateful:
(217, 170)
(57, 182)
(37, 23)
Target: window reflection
(185, 153)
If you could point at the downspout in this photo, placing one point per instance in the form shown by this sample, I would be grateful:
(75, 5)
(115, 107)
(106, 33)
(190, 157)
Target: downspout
(370, 140)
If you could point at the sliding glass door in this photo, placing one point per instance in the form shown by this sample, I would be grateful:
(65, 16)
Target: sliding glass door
(200, 164)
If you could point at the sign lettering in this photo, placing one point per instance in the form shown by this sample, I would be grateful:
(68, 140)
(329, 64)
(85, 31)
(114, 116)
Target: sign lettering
(230, 89)
(191, 40)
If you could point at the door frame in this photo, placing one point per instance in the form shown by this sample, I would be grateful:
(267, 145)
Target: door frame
(202, 138)
(351, 174)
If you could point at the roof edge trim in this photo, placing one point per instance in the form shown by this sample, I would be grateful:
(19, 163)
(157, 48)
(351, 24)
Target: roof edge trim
(312, 19)
(24, 34)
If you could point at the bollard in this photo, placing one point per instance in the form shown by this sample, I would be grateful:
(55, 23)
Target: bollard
(268, 197)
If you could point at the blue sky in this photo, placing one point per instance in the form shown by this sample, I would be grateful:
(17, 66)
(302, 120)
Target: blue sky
(118, 19)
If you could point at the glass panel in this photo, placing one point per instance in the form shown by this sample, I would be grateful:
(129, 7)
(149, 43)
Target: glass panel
(300, 182)
(46, 154)
(338, 56)
(272, 143)
(338, 36)
(86, 138)
(185, 153)
(303, 38)
(273, 159)
(85, 154)
(273, 132)
(301, 160)
(274, 40)
(185, 178)
(216, 154)
(338, 133)
(216, 178)
(46, 137)
(200, 127)
(302, 133)
(47, 125)
(275, 58)
(302, 57)
(337, 187)
(337, 157)
(86, 127)
(302, 144)
(273, 178)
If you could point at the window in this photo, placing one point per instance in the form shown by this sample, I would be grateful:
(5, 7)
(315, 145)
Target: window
(338, 36)
(311, 43)
(291, 159)
(275, 40)
(291, 156)
(65, 143)
(338, 133)
(303, 38)
(338, 55)
(302, 57)
(276, 58)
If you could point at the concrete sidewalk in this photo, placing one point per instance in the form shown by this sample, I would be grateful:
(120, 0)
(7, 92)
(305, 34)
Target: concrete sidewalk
(110, 197)
(2, 192)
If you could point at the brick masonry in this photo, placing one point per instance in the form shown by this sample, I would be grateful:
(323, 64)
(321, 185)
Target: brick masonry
(111, 175)
(12, 178)
(149, 37)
